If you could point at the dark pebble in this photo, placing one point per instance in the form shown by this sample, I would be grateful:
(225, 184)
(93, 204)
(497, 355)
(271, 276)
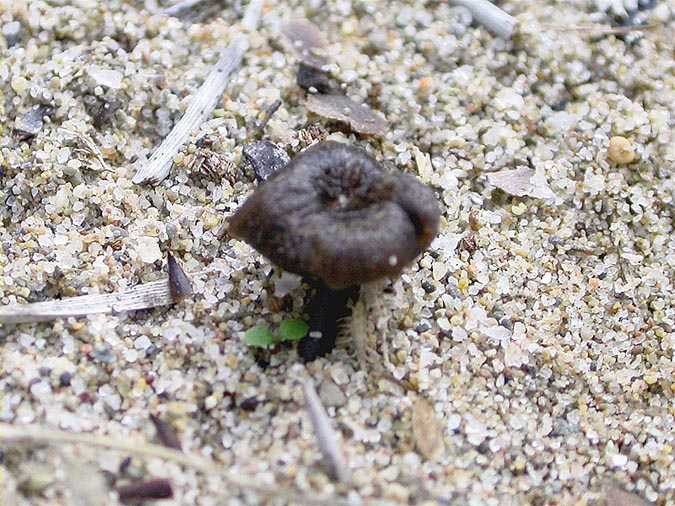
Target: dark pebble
(30, 124)
(101, 109)
(265, 158)
(428, 287)
(309, 77)
(422, 327)
(64, 379)
(249, 404)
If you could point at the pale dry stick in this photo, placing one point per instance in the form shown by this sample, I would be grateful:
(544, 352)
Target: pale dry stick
(597, 29)
(36, 434)
(33, 434)
(179, 8)
(144, 296)
(202, 104)
(325, 435)
(490, 16)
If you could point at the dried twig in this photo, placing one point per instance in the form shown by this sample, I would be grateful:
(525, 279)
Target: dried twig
(202, 104)
(326, 436)
(181, 7)
(147, 295)
(33, 434)
(598, 29)
(490, 16)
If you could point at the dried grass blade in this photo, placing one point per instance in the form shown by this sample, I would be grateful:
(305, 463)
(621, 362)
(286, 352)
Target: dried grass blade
(326, 436)
(148, 295)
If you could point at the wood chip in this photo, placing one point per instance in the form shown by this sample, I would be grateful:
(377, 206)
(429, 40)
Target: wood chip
(359, 117)
(427, 431)
(159, 488)
(307, 42)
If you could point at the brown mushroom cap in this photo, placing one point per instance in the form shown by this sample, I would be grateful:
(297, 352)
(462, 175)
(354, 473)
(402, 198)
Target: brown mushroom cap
(334, 215)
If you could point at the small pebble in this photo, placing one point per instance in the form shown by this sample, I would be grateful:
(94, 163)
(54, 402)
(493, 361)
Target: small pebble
(621, 150)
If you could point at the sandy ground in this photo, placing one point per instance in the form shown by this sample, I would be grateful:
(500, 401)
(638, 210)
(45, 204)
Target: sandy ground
(526, 358)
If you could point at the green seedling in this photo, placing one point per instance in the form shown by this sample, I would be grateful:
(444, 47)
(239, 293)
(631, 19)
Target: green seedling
(261, 336)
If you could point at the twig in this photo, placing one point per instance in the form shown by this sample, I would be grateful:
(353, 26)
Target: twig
(599, 29)
(328, 442)
(179, 8)
(33, 434)
(490, 16)
(202, 104)
(147, 295)
(267, 116)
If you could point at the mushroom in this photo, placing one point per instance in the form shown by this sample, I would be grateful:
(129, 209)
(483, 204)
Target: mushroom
(335, 217)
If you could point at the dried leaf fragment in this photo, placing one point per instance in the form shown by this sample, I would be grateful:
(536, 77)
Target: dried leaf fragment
(522, 182)
(427, 431)
(179, 284)
(359, 117)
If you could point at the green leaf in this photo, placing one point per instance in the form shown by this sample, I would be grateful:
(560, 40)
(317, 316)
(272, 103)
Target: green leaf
(293, 330)
(259, 337)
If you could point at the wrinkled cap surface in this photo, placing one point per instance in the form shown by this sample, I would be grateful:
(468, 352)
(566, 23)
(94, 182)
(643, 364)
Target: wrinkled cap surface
(333, 214)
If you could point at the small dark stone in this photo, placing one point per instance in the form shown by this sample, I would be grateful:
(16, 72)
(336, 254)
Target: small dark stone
(265, 158)
(65, 378)
(310, 77)
(101, 109)
(151, 351)
(29, 125)
(428, 287)
(103, 355)
(249, 404)
(44, 371)
(12, 33)
(422, 327)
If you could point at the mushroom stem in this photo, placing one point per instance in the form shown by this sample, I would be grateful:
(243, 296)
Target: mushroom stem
(326, 308)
